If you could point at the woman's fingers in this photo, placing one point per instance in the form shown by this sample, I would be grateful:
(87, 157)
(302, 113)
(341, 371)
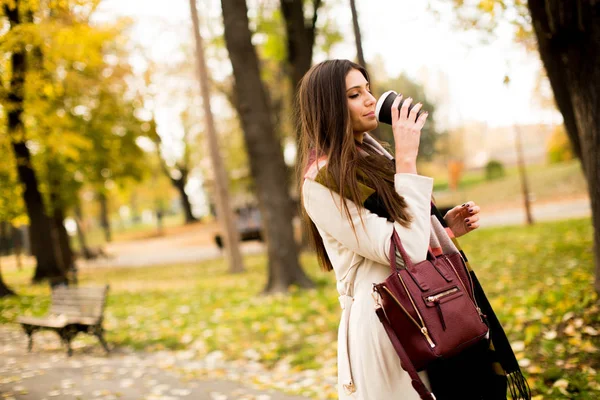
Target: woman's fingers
(471, 208)
(468, 204)
(407, 113)
(471, 220)
(421, 120)
(395, 110)
(474, 210)
(412, 116)
(404, 109)
(473, 226)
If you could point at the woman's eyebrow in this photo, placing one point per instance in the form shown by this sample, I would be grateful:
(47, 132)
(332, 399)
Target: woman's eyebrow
(358, 87)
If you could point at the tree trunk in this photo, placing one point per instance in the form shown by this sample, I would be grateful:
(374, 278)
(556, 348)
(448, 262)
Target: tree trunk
(4, 290)
(4, 239)
(135, 210)
(17, 237)
(63, 239)
(60, 237)
(104, 218)
(551, 50)
(265, 154)
(568, 35)
(47, 266)
(523, 176)
(357, 36)
(159, 221)
(185, 200)
(300, 38)
(178, 183)
(225, 214)
(359, 50)
(85, 250)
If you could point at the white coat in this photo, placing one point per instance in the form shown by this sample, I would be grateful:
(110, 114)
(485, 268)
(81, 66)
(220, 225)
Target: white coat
(368, 366)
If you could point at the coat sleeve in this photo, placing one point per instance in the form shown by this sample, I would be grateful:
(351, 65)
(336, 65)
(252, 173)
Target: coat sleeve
(373, 240)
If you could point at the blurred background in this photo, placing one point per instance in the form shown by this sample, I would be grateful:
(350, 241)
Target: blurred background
(151, 146)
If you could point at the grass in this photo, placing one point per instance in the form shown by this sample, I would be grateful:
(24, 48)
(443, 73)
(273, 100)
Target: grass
(545, 182)
(539, 280)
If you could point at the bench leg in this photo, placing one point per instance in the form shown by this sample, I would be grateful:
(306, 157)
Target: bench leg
(99, 333)
(29, 331)
(66, 335)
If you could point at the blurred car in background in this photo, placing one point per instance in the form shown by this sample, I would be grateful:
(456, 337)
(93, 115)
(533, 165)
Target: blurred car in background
(249, 225)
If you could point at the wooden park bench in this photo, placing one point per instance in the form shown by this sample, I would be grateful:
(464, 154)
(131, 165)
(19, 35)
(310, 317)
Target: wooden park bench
(73, 310)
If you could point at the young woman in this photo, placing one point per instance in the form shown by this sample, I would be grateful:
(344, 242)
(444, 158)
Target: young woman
(354, 193)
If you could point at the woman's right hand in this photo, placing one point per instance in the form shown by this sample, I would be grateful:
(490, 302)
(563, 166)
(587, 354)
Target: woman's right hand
(407, 134)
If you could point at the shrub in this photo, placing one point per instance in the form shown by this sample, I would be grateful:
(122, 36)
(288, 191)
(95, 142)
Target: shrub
(559, 147)
(494, 169)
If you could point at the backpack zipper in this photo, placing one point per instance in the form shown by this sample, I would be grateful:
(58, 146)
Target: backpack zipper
(481, 315)
(438, 296)
(422, 328)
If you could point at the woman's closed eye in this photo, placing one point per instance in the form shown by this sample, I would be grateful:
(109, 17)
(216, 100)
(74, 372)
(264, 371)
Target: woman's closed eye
(355, 95)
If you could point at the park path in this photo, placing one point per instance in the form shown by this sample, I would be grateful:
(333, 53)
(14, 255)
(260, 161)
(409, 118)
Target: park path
(195, 245)
(550, 211)
(47, 373)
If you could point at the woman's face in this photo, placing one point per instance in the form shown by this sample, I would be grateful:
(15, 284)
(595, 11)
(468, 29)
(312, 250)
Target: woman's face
(361, 102)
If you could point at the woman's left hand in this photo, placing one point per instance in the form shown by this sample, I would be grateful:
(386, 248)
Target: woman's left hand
(463, 219)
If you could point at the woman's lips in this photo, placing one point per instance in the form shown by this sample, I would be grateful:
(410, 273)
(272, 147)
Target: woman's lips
(371, 114)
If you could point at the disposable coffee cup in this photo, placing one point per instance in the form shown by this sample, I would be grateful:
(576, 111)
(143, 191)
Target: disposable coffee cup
(383, 110)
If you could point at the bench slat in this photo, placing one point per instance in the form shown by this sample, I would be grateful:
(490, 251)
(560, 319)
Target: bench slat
(84, 291)
(77, 301)
(89, 296)
(77, 307)
(49, 322)
(72, 304)
(93, 313)
(57, 321)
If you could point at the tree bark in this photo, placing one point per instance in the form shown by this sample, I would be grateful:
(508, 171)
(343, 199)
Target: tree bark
(60, 237)
(357, 36)
(300, 38)
(265, 154)
(359, 49)
(63, 240)
(4, 239)
(5, 291)
(158, 211)
(104, 218)
(225, 214)
(85, 250)
(551, 50)
(523, 176)
(135, 210)
(179, 184)
(18, 246)
(47, 266)
(568, 35)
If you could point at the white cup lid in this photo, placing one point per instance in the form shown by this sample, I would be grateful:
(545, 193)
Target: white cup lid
(380, 102)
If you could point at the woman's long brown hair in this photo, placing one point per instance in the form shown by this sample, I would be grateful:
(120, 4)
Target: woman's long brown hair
(326, 130)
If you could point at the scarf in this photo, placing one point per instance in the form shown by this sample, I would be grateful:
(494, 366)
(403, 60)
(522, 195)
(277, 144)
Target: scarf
(491, 367)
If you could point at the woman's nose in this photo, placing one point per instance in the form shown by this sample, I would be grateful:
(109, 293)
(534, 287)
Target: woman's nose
(370, 99)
